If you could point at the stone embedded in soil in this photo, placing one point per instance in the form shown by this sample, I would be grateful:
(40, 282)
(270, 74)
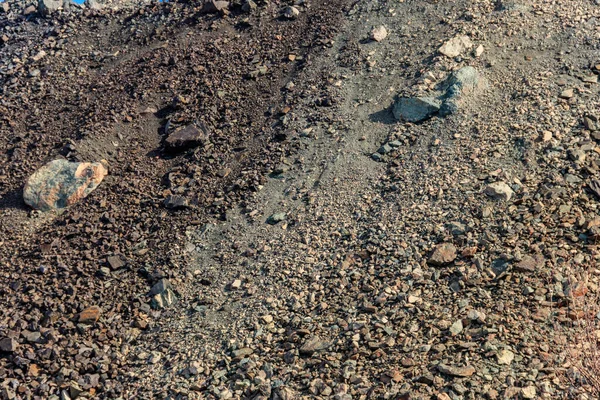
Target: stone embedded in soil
(499, 191)
(8, 345)
(456, 371)
(187, 137)
(160, 287)
(415, 109)
(379, 33)
(456, 46)
(90, 315)
(459, 84)
(443, 254)
(61, 183)
(290, 12)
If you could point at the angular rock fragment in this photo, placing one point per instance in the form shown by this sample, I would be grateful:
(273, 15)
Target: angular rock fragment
(443, 254)
(456, 46)
(162, 295)
(378, 34)
(8, 345)
(61, 183)
(49, 6)
(415, 109)
(505, 357)
(93, 5)
(115, 262)
(212, 6)
(90, 315)
(529, 264)
(499, 191)
(187, 137)
(176, 202)
(314, 345)
(456, 371)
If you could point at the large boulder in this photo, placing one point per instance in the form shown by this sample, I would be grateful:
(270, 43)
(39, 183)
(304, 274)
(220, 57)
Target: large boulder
(61, 183)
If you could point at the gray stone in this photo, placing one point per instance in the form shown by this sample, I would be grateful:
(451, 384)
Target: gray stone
(415, 109)
(386, 148)
(456, 327)
(213, 6)
(8, 345)
(457, 228)
(463, 82)
(162, 294)
(61, 183)
(276, 218)
(176, 202)
(249, 6)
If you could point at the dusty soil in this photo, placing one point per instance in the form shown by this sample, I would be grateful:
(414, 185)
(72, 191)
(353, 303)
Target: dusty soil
(345, 296)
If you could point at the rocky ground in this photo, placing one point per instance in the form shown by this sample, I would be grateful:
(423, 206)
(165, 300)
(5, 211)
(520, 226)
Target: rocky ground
(363, 216)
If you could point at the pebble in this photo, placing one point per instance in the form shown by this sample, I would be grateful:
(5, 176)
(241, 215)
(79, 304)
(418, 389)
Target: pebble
(566, 94)
(456, 327)
(379, 33)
